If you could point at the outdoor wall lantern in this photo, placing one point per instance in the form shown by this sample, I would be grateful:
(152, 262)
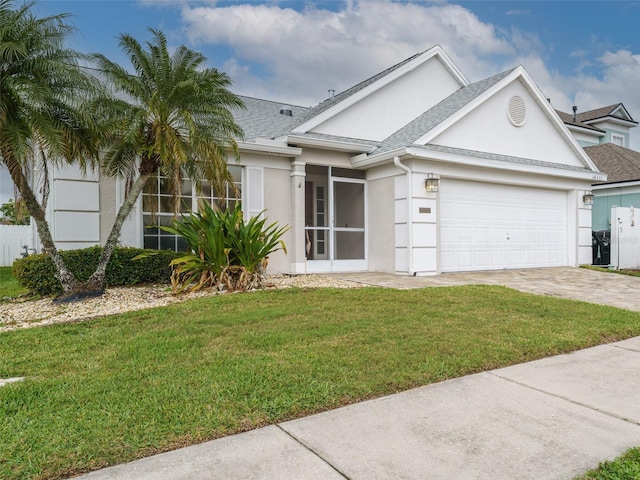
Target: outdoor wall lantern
(587, 198)
(432, 182)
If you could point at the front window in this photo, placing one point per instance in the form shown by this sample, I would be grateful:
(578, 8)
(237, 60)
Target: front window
(617, 140)
(157, 206)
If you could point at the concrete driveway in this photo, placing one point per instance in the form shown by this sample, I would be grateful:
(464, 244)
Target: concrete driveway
(603, 288)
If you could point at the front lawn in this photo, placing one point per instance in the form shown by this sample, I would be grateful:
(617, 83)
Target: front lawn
(625, 467)
(118, 388)
(9, 286)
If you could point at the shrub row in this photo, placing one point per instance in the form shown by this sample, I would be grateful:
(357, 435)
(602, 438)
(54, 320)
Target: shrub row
(38, 274)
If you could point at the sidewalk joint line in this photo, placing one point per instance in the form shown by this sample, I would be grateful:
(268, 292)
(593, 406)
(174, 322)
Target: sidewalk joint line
(626, 349)
(567, 399)
(312, 450)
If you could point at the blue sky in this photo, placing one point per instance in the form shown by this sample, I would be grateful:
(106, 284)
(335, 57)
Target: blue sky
(585, 53)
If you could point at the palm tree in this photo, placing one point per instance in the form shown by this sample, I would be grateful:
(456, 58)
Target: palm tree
(171, 116)
(42, 123)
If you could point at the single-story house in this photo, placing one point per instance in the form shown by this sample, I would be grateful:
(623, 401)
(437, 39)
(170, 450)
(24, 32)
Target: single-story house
(415, 171)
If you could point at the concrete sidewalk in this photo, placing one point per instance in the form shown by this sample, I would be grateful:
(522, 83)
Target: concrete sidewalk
(549, 419)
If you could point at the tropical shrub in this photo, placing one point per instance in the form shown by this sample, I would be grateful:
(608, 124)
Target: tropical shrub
(225, 251)
(37, 273)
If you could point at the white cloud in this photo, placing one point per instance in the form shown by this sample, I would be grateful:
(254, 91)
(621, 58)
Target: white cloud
(516, 12)
(295, 56)
(305, 53)
(620, 73)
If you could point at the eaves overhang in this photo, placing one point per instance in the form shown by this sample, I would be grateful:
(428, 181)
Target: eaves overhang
(588, 131)
(616, 120)
(329, 144)
(618, 184)
(470, 158)
(277, 150)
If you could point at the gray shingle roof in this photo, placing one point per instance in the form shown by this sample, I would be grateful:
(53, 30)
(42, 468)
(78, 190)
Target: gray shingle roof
(619, 163)
(502, 158)
(262, 118)
(438, 113)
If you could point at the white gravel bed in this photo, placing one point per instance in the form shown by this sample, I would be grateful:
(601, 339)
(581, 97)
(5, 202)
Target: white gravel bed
(34, 313)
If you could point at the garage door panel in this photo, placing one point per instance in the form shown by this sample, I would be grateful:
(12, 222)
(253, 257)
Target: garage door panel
(490, 226)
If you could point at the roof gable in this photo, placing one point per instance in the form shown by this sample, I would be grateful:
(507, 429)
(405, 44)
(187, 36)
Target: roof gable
(616, 110)
(334, 106)
(456, 123)
(432, 118)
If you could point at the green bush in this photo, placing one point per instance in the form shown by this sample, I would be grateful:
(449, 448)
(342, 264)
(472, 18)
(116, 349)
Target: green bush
(226, 251)
(38, 274)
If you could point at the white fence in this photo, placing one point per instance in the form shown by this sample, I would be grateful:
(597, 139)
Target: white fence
(12, 238)
(625, 237)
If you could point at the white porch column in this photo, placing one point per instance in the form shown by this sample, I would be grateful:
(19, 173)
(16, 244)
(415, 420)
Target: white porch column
(297, 247)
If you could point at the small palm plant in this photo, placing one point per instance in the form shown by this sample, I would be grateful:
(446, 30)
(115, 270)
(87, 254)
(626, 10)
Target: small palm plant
(225, 251)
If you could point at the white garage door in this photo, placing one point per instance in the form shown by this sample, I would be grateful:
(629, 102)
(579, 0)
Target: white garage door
(485, 226)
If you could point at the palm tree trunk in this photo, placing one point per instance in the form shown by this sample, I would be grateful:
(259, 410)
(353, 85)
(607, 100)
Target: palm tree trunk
(67, 278)
(96, 281)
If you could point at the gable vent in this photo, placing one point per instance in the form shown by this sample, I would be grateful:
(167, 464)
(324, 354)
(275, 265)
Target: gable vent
(517, 111)
(286, 110)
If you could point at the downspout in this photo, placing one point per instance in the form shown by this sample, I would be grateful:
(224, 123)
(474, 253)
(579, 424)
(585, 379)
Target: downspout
(396, 162)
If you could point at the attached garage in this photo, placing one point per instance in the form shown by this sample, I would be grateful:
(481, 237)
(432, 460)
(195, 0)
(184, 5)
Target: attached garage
(488, 226)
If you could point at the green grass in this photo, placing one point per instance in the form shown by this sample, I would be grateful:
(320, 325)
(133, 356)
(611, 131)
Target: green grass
(625, 467)
(624, 271)
(9, 286)
(118, 388)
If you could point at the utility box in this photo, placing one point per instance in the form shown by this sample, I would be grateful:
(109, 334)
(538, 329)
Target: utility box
(601, 244)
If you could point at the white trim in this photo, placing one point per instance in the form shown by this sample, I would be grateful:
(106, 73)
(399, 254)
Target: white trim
(278, 150)
(609, 118)
(424, 153)
(254, 194)
(331, 264)
(616, 185)
(329, 144)
(387, 79)
(576, 128)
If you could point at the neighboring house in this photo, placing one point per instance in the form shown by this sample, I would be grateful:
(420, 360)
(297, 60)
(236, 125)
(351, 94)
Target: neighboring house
(622, 187)
(609, 124)
(414, 171)
(604, 134)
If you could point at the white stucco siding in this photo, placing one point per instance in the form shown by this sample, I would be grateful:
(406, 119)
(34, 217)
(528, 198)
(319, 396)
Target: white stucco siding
(487, 128)
(381, 224)
(277, 202)
(107, 206)
(385, 111)
(75, 207)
